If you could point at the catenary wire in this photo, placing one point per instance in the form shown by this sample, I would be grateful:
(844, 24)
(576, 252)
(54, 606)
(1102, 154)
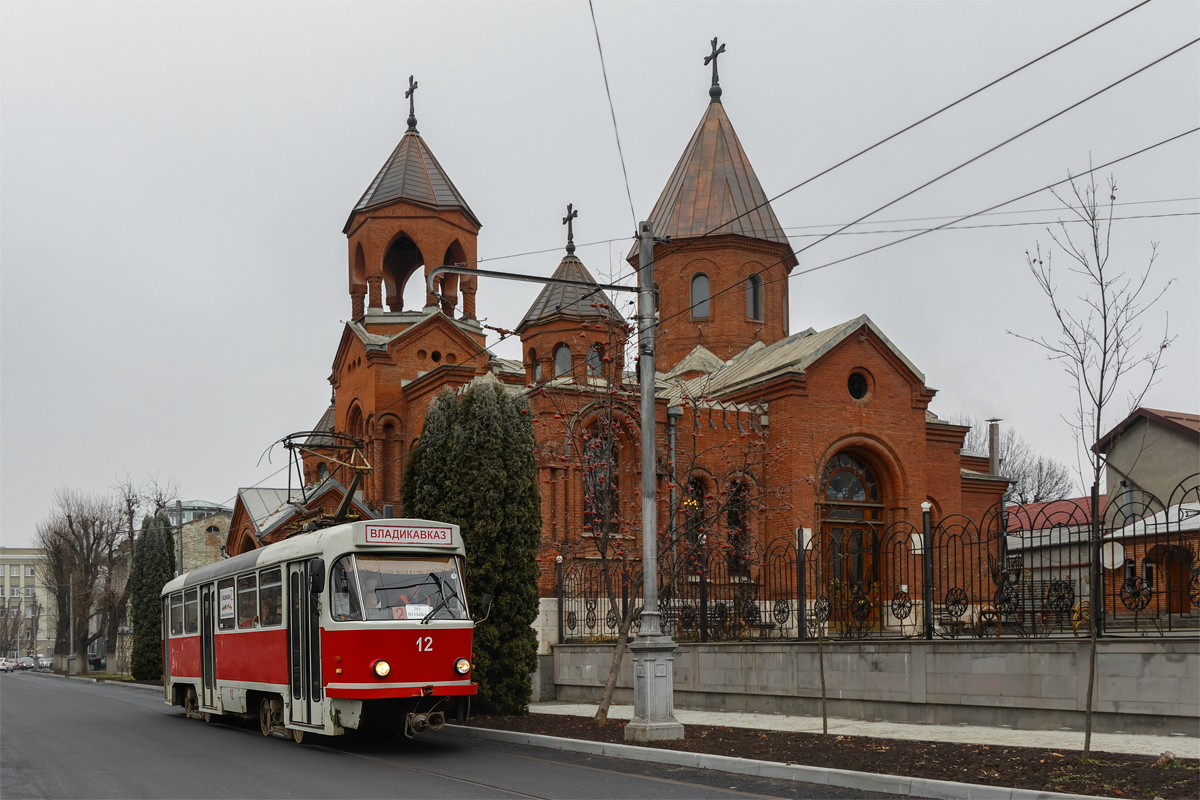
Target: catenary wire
(934, 114)
(613, 112)
(999, 225)
(931, 230)
(544, 384)
(844, 227)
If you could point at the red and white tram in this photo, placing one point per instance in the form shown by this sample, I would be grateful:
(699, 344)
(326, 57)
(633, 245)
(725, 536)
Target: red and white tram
(384, 642)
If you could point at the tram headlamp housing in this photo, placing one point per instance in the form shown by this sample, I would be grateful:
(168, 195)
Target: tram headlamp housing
(462, 666)
(381, 668)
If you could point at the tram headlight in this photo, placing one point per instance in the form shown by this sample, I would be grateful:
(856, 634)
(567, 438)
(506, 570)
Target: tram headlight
(462, 666)
(381, 668)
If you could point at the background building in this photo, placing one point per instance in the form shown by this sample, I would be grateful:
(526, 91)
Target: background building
(27, 624)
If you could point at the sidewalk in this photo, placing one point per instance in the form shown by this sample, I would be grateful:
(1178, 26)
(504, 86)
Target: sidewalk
(1181, 746)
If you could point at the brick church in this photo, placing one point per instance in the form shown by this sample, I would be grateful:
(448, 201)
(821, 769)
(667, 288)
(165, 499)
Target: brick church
(842, 412)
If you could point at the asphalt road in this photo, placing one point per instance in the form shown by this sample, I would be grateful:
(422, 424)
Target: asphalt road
(75, 739)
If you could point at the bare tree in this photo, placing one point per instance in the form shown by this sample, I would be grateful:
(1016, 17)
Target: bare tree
(1098, 342)
(10, 628)
(116, 596)
(1037, 478)
(82, 539)
(157, 494)
(596, 418)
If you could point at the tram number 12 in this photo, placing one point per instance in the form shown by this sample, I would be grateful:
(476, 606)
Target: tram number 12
(424, 644)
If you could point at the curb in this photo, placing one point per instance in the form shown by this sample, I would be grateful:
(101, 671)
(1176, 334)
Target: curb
(98, 682)
(843, 778)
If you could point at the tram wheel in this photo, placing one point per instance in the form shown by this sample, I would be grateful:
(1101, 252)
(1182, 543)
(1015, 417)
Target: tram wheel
(264, 716)
(191, 704)
(298, 736)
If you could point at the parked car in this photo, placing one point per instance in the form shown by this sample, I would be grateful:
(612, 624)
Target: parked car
(95, 661)
(44, 663)
(6, 664)
(26, 663)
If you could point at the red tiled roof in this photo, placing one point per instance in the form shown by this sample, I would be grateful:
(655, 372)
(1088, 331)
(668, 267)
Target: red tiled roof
(1181, 421)
(1075, 510)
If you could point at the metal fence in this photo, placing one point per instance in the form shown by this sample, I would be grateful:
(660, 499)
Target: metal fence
(1011, 573)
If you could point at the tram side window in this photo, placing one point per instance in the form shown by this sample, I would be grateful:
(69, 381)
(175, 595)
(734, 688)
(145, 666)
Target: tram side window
(247, 601)
(227, 618)
(177, 614)
(270, 597)
(344, 604)
(191, 611)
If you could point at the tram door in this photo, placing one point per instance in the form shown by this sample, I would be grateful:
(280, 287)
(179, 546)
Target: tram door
(207, 661)
(304, 645)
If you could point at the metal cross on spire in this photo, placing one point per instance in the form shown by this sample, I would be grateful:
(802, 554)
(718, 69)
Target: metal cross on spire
(412, 116)
(714, 91)
(571, 214)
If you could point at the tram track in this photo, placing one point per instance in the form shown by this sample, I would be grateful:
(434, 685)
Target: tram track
(491, 771)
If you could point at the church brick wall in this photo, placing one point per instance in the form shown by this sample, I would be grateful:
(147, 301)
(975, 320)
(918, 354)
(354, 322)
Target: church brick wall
(728, 261)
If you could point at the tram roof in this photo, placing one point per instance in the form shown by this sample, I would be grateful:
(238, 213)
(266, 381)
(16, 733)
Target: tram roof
(341, 537)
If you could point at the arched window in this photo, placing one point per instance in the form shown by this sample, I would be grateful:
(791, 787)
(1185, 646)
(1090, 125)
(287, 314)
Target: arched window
(535, 366)
(737, 527)
(754, 297)
(212, 529)
(602, 480)
(322, 471)
(562, 361)
(595, 360)
(693, 511)
(848, 480)
(700, 304)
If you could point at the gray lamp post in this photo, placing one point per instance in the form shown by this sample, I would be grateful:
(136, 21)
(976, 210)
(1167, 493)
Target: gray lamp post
(653, 652)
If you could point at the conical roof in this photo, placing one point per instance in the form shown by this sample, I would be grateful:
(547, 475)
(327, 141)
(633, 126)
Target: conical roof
(574, 301)
(412, 174)
(714, 189)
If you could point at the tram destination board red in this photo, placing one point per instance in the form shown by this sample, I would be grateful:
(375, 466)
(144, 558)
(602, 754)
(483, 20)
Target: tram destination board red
(408, 534)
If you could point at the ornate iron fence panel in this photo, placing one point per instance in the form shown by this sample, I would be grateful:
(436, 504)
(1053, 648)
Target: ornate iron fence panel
(1150, 576)
(1015, 573)
(589, 586)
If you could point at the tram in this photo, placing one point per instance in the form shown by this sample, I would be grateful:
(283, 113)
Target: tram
(356, 626)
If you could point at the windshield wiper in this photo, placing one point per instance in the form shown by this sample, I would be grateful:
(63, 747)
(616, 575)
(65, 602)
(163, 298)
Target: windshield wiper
(445, 599)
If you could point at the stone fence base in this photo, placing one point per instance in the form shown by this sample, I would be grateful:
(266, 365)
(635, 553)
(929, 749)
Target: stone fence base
(1149, 686)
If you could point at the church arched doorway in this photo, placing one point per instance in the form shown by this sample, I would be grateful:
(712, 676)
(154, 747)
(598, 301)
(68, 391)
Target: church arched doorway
(852, 511)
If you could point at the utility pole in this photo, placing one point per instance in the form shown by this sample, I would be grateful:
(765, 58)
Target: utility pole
(179, 535)
(653, 652)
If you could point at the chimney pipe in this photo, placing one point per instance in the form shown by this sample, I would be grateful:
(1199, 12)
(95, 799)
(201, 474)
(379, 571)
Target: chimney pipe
(994, 446)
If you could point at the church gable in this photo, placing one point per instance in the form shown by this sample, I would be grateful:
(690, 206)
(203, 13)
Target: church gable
(431, 343)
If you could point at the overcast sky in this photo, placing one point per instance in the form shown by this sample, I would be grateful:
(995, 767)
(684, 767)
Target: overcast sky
(175, 178)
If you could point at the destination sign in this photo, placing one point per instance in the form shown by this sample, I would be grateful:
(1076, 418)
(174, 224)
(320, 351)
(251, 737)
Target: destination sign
(407, 534)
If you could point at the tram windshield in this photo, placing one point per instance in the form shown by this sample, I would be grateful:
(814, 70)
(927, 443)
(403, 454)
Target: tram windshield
(375, 587)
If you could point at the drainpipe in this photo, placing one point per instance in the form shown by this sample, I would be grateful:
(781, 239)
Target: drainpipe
(674, 414)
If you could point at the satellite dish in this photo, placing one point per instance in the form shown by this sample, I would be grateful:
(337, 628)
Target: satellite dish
(1112, 555)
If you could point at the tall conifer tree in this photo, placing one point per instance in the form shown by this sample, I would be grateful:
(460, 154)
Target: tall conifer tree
(476, 469)
(153, 566)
